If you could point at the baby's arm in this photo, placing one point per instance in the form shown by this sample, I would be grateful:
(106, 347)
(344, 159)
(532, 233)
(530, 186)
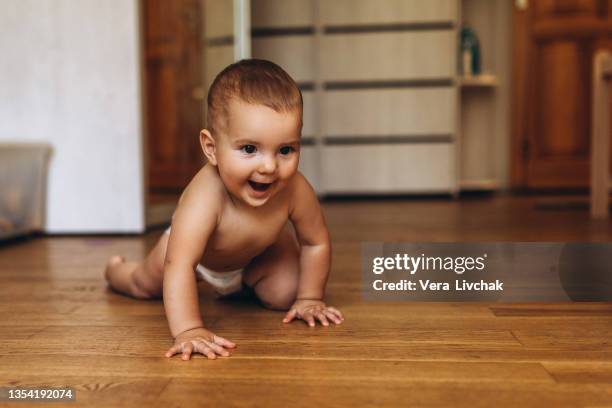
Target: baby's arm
(194, 221)
(315, 257)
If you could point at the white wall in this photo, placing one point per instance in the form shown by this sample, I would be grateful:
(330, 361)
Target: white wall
(70, 75)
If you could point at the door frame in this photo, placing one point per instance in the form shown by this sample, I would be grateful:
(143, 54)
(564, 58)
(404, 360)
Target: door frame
(519, 138)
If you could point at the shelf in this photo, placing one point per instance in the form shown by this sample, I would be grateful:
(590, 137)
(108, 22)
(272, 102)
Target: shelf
(478, 185)
(481, 81)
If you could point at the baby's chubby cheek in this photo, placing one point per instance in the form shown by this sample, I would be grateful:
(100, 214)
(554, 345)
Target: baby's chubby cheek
(285, 177)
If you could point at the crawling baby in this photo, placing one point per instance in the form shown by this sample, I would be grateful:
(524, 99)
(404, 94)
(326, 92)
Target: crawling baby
(231, 225)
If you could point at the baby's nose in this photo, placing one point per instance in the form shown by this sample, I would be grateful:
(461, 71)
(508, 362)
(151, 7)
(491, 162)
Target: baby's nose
(268, 165)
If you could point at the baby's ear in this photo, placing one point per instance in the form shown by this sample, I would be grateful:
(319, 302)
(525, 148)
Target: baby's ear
(208, 146)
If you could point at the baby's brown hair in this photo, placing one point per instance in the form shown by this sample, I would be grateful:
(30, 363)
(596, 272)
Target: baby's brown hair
(253, 81)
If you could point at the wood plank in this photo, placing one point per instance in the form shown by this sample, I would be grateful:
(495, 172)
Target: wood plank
(581, 372)
(52, 339)
(96, 391)
(566, 338)
(555, 310)
(441, 394)
(143, 391)
(312, 371)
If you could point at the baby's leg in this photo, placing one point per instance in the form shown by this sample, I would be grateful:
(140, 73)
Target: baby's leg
(142, 280)
(274, 274)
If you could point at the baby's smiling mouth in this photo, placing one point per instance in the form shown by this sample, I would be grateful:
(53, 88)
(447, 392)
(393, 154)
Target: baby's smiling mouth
(259, 186)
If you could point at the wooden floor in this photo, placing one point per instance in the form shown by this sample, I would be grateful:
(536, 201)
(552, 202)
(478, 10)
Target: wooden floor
(60, 325)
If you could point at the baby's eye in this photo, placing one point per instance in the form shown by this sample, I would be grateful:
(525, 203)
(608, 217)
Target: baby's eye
(285, 150)
(249, 149)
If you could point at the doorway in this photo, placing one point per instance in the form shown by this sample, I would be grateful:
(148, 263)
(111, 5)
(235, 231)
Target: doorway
(173, 56)
(186, 43)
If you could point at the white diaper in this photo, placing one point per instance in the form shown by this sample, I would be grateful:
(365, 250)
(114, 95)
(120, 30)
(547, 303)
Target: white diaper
(224, 283)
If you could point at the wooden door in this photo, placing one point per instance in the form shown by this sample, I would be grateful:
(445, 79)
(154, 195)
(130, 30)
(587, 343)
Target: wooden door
(174, 91)
(554, 45)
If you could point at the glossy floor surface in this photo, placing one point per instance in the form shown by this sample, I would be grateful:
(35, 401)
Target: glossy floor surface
(61, 326)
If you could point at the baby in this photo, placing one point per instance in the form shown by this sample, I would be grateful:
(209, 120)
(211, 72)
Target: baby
(231, 224)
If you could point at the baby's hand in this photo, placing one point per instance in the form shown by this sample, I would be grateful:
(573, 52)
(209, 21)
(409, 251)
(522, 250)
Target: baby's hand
(200, 340)
(309, 309)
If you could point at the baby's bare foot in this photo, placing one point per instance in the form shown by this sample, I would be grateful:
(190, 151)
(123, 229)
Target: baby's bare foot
(118, 274)
(111, 266)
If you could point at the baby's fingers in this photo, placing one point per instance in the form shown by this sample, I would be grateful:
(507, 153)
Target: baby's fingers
(218, 349)
(187, 350)
(204, 349)
(322, 318)
(308, 318)
(173, 350)
(331, 316)
(336, 312)
(290, 315)
(223, 342)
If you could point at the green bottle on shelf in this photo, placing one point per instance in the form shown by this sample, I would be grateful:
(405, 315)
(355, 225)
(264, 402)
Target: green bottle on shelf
(470, 52)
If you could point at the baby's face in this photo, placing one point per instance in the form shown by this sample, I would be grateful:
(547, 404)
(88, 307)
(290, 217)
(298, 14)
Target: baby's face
(259, 151)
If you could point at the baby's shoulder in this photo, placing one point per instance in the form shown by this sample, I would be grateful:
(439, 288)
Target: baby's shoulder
(299, 188)
(205, 187)
(299, 184)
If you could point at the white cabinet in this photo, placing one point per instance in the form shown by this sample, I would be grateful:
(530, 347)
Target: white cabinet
(388, 168)
(385, 110)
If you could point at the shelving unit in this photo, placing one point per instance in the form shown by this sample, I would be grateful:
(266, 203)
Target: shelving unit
(485, 99)
(482, 80)
(379, 89)
(385, 111)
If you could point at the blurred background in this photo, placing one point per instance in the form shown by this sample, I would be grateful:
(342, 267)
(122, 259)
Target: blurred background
(102, 102)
